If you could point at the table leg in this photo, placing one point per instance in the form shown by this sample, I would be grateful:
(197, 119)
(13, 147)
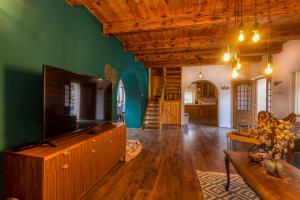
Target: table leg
(234, 145)
(227, 143)
(227, 171)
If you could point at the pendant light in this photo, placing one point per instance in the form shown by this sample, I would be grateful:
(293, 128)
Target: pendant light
(269, 67)
(255, 31)
(241, 36)
(238, 64)
(235, 72)
(200, 75)
(227, 55)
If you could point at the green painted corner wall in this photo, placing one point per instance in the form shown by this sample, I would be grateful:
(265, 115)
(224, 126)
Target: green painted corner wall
(52, 32)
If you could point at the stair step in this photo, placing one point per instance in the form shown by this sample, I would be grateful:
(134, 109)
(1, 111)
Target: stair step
(153, 125)
(153, 106)
(152, 100)
(151, 119)
(152, 114)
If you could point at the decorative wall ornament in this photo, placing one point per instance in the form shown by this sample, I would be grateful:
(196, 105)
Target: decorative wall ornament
(275, 83)
(224, 87)
(110, 74)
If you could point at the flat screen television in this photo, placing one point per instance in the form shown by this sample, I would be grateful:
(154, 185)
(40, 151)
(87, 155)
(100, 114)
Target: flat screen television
(73, 102)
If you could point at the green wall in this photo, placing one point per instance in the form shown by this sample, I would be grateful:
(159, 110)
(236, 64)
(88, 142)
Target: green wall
(51, 32)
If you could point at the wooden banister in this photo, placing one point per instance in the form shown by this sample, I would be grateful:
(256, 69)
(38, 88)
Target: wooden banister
(161, 105)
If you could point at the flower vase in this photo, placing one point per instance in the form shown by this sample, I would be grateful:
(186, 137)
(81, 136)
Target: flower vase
(273, 167)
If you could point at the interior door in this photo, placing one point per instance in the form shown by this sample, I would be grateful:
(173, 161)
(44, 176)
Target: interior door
(243, 102)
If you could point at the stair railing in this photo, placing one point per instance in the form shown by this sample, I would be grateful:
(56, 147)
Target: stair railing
(161, 105)
(145, 112)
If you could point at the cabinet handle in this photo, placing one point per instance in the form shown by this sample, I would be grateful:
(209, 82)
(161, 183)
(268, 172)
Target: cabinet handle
(66, 153)
(93, 140)
(66, 166)
(93, 150)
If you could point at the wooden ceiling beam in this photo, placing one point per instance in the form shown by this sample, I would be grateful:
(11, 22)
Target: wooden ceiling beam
(188, 56)
(198, 62)
(260, 49)
(75, 2)
(202, 42)
(196, 21)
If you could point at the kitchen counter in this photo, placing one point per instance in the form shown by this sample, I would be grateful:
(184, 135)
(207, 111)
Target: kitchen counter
(202, 113)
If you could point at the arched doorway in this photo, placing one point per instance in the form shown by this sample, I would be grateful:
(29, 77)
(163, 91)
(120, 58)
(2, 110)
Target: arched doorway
(134, 96)
(201, 103)
(121, 102)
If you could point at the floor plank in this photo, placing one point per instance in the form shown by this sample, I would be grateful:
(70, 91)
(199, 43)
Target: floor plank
(166, 167)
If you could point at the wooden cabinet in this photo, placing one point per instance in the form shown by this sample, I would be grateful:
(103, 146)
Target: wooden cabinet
(172, 112)
(60, 174)
(202, 114)
(64, 172)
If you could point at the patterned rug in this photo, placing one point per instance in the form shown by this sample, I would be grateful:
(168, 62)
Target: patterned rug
(213, 187)
(133, 148)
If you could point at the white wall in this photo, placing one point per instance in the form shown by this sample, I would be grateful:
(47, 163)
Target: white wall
(220, 75)
(284, 64)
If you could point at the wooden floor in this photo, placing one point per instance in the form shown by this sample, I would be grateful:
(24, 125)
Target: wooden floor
(166, 168)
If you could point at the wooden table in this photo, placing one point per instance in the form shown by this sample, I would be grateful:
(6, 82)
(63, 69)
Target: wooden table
(233, 137)
(265, 185)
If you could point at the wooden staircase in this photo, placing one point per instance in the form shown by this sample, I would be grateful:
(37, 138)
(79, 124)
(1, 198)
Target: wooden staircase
(152, 115)
(165, 105)
(172, 79)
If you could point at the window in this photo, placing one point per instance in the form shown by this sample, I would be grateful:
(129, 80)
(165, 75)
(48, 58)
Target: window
(296, 93)
(261, 95)
(188, 97)
(264, 95)
(244, 97)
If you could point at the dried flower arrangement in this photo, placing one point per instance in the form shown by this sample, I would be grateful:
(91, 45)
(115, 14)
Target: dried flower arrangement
(276, 135)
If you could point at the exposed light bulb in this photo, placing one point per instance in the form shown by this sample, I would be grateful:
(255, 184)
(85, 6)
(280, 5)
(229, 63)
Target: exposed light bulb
(226, 56)
(255, 36)
(241, 37)
(200, 75)
(235, 73)
(269, 69)
(238, 65)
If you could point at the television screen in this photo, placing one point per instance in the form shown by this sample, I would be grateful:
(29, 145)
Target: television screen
(73, 102)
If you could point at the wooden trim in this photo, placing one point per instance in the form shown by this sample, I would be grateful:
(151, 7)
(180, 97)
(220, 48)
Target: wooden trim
(293, 83)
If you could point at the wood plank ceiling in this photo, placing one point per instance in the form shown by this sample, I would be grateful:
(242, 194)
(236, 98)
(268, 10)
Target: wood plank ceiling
(176, 33)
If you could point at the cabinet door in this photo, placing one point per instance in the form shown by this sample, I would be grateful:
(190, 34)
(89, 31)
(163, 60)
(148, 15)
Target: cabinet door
(91, 162)
(63, 176)
(118, 144)
(107, 149)
(100, 155)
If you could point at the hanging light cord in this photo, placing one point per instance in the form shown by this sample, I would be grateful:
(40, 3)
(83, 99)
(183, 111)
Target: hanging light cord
(241, 11)
(255, 11)
(227, 20)
(269, 21)
(235, 23)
